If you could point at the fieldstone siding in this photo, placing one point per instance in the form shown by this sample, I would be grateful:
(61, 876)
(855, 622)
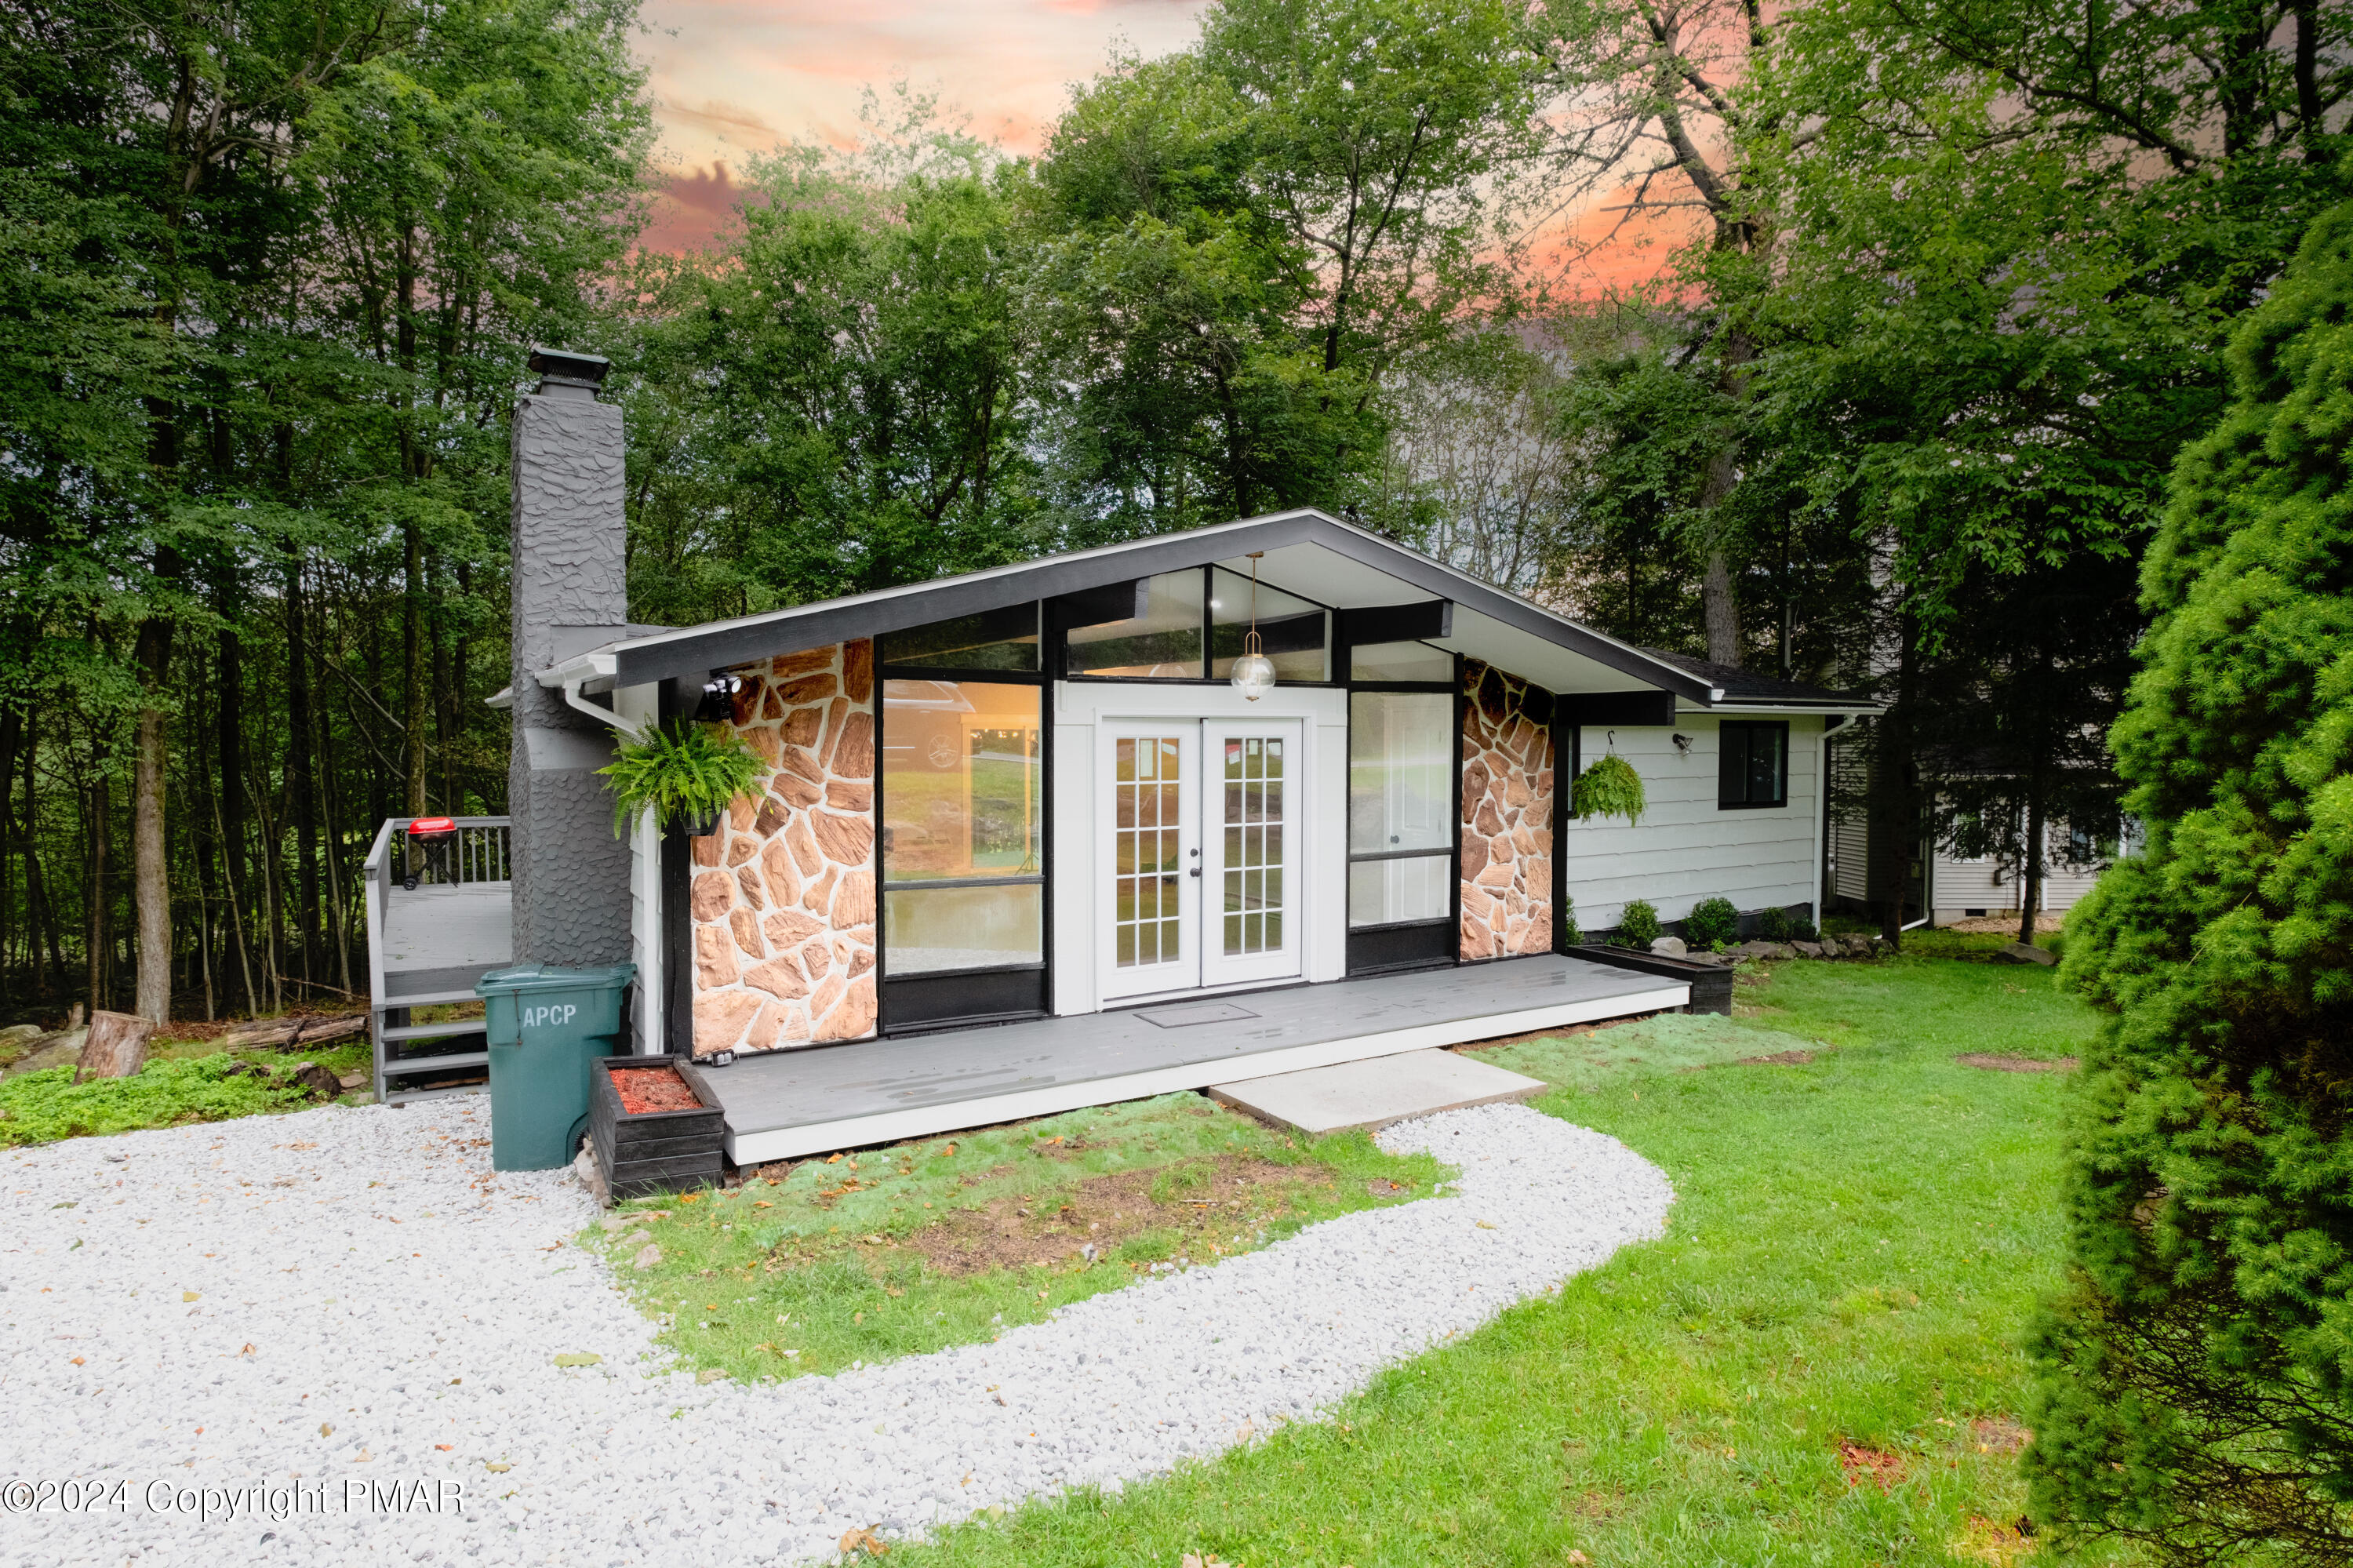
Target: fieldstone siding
(1507, 784)
(782, 895)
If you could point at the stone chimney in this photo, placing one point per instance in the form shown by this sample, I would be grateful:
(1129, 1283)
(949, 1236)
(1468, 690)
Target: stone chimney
(570, 594)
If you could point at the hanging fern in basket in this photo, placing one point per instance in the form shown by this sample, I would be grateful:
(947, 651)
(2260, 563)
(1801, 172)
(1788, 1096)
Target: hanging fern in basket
(685, 773)
(1610, 787)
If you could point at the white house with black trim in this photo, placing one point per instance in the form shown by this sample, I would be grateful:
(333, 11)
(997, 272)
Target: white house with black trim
(1025, 842)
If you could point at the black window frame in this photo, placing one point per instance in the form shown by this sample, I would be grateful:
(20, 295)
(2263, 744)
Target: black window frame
(1002, 993)
(1407, 944)
(1056, 645)
(1726, 800)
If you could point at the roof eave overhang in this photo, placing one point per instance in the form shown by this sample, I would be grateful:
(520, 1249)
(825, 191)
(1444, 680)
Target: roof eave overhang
(693, 653)
(1770, 707)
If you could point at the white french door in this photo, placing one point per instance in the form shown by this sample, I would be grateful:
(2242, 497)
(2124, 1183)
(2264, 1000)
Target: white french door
(1250, 855)
(1151, 801)
(1202, 853)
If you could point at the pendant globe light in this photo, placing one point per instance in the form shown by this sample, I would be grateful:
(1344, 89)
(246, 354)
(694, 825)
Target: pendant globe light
(1253, 674)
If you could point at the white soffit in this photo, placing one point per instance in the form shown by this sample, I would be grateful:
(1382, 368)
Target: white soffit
(1532, 657)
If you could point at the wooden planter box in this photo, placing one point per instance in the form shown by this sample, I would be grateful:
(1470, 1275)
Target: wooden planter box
(1711, 984)
(653, 1151)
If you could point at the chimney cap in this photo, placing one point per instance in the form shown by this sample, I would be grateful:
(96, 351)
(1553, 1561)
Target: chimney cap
(562, 368)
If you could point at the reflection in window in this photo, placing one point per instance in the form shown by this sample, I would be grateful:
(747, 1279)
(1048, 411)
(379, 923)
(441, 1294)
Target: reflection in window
(994, 640)
(1162, 643)
(1753, 764)
(1400, 662)
(1396, 892)
(962, 797)
(1400, 771)
(928, 929)
(1291, 632)
(1402, 759)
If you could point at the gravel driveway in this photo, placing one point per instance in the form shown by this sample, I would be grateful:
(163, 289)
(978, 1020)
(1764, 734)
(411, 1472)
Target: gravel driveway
(333, 1335)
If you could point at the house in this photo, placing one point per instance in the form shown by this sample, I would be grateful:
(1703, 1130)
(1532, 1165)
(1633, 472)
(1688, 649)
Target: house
(1024, 837)
(1950, 873)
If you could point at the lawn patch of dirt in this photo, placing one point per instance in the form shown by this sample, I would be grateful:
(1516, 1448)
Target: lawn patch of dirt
(1999, 1434)
(1876, 1466)
(1987, 1541)
(1204, 1202)
(1997, 1064)
(1779, 1059)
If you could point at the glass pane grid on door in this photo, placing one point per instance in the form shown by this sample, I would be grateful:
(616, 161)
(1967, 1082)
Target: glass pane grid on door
(1255, 798)
(1149, 892)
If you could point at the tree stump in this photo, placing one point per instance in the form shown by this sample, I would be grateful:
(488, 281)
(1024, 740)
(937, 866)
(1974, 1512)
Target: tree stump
(117, 1047)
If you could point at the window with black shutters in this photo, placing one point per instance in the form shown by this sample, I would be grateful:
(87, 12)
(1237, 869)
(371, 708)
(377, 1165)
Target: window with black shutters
(1751, 765)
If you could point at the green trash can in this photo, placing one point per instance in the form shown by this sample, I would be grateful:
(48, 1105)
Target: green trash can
(545, 1025)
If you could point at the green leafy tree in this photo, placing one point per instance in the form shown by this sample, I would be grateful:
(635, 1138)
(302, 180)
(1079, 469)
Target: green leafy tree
(850, 363)
(1242, 245)
(2195, 1392)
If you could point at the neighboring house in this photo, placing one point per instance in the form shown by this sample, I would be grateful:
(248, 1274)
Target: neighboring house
(1945, 885)
(1033, 794)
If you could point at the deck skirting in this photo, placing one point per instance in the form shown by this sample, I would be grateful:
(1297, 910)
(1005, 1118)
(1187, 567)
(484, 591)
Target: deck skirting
(789, 1105)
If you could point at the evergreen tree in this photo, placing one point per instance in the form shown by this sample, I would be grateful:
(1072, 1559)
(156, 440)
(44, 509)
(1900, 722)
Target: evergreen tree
(2197, 1371)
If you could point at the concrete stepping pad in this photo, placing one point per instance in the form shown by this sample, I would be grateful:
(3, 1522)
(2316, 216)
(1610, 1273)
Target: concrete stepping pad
(1375, 1093)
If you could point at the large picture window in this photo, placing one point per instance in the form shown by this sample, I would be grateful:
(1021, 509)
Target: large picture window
(1752, 764)
(963, 826)
(1400, 807)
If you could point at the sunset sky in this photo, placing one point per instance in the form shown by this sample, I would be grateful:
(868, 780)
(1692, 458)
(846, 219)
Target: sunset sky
(732, 78)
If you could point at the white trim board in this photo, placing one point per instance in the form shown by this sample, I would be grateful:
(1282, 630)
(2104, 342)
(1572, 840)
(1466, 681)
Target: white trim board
(926, 1121)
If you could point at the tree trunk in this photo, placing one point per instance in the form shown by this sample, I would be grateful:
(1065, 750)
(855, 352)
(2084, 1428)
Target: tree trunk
(94, 911)
(116, 1046)
(412, 658)
(2029, 886)
(12, 726)
(1894, 809)
(229, 735)
(302, 771)
(1720, 607)
(151, 868)
(40, 914)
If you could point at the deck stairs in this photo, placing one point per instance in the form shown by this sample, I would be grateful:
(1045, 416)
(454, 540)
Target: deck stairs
(427, 947)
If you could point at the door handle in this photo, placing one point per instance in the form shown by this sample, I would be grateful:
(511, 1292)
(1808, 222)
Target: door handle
(1197, 870)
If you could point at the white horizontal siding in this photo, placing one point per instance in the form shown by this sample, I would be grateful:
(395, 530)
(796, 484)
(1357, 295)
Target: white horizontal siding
(1685, 849)
(1851, 834)
(1964, 885)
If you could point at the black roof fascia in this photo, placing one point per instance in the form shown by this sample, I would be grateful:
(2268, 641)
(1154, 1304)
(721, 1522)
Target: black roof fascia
(694, 655)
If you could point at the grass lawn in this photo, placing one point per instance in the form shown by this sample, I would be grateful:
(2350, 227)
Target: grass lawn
(1818, 1364)
(899, 1251)
(182, 1082)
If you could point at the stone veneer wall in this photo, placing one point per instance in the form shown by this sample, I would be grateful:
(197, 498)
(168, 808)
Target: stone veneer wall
(1507, 784)
(782, 895)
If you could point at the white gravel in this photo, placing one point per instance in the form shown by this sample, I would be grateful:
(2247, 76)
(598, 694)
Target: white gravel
(204, 1318)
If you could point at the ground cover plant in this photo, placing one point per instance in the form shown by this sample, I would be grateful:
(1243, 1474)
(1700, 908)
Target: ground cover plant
(898, 1251)
(1820, 1363)
(173, 1088)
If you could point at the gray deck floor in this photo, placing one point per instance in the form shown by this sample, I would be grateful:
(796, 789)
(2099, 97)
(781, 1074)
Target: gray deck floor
(443, 938)
(785, 1103)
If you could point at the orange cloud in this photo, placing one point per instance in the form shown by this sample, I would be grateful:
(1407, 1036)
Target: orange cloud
(692, 211)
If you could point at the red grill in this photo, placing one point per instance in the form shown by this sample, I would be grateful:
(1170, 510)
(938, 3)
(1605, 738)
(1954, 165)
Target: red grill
(429, 839)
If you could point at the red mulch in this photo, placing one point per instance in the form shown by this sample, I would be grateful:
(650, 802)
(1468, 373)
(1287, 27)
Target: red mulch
(646, 1089)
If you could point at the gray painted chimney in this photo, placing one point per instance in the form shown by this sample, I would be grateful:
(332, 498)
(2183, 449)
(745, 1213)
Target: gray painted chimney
(571, 874)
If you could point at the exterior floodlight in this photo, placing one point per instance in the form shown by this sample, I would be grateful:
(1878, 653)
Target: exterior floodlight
(1253, 674)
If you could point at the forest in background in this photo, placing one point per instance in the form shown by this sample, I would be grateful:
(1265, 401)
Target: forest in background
(1899, 416)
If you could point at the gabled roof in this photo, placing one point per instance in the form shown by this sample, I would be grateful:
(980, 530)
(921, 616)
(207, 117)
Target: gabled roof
(1307, 553)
